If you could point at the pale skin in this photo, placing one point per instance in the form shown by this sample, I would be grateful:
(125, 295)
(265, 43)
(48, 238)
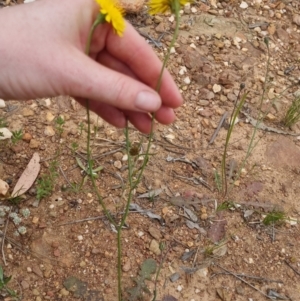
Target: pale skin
(42, 48)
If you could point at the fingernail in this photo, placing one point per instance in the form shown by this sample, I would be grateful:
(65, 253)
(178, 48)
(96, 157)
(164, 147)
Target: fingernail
(147, 101)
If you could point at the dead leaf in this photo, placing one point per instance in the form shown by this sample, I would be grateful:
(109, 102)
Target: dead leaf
(28, 176)
(151, 194)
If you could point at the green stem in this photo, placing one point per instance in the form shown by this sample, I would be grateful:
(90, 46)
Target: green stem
(232, 124)
(100, 19)
(158, 86)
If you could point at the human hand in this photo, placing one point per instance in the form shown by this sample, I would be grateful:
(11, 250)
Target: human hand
(42, 55)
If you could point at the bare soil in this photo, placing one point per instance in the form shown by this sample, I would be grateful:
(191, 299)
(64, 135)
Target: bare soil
(221, 46)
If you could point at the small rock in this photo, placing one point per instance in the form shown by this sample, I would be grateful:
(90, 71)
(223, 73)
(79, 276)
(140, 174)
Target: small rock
(203, 216)
(35, 219)
(206, 94)
(5, 133)
(216, 88)
(49, 131)
(3, 187)
(34, 143)
(64, 292)
(49, 116)
(36, 270)
(187, 80)
(118, 164)
(278, 15)
(2, 104)
(24, 284)
(27, 137)
(35, 292)
(174, 277)
(27, 112)
(96, 251)
(160, 28)
(231, 97)
(155, 233)
(127, 266)
(240, 290)
(243, 5)
(203, 102)
(270, 117)
(205, 122)
(82, 264)
(296, 19)
(45, 102)
(56, 252)
(219, 44)
(283, 35)
(131, 6)
(205, 113)
(154, 247)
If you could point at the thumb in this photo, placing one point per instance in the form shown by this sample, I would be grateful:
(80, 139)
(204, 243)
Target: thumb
(88, 79)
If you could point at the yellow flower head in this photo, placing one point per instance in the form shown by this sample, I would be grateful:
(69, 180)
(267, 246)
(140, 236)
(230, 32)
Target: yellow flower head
(161, 6)
(113, 14)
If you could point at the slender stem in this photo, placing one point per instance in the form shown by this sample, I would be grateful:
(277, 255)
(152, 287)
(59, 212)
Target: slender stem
(100, 19)
(119, 264)
(158, 86)
(232, 124)
(177, 17)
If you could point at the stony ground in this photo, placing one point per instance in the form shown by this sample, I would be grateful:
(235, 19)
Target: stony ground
(209, 254)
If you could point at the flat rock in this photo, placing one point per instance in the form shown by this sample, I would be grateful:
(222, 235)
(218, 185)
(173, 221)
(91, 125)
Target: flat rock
(49, 131)
(3, 187)
(154, 232)
(5, 133)
(193, 59)
(282, 35)
(296, 19)
(132, 6)
(27, 112)
(206, 94)
(34, 143)
(2, 104)
(283, 153)
(154, 247)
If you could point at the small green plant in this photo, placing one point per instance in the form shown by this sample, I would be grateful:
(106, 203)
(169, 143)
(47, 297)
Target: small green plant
(59, 122)
(3, 123)
(147, 269)
(237, 108)
(218, 180)
(274, 217)
(74, 146)
(292, 115)
(16, 136)
(3, 285)
(81, 128)
(225, 206)
(46, 183)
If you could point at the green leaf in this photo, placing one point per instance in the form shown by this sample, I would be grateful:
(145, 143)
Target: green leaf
(148, 268)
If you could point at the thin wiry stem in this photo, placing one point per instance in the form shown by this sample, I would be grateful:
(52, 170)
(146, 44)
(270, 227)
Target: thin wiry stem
(100, 19)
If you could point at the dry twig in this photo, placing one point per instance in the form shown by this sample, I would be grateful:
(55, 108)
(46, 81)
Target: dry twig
(243, 280)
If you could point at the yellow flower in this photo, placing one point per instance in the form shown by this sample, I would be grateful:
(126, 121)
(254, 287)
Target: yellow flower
(161, 6)
(113, 14)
